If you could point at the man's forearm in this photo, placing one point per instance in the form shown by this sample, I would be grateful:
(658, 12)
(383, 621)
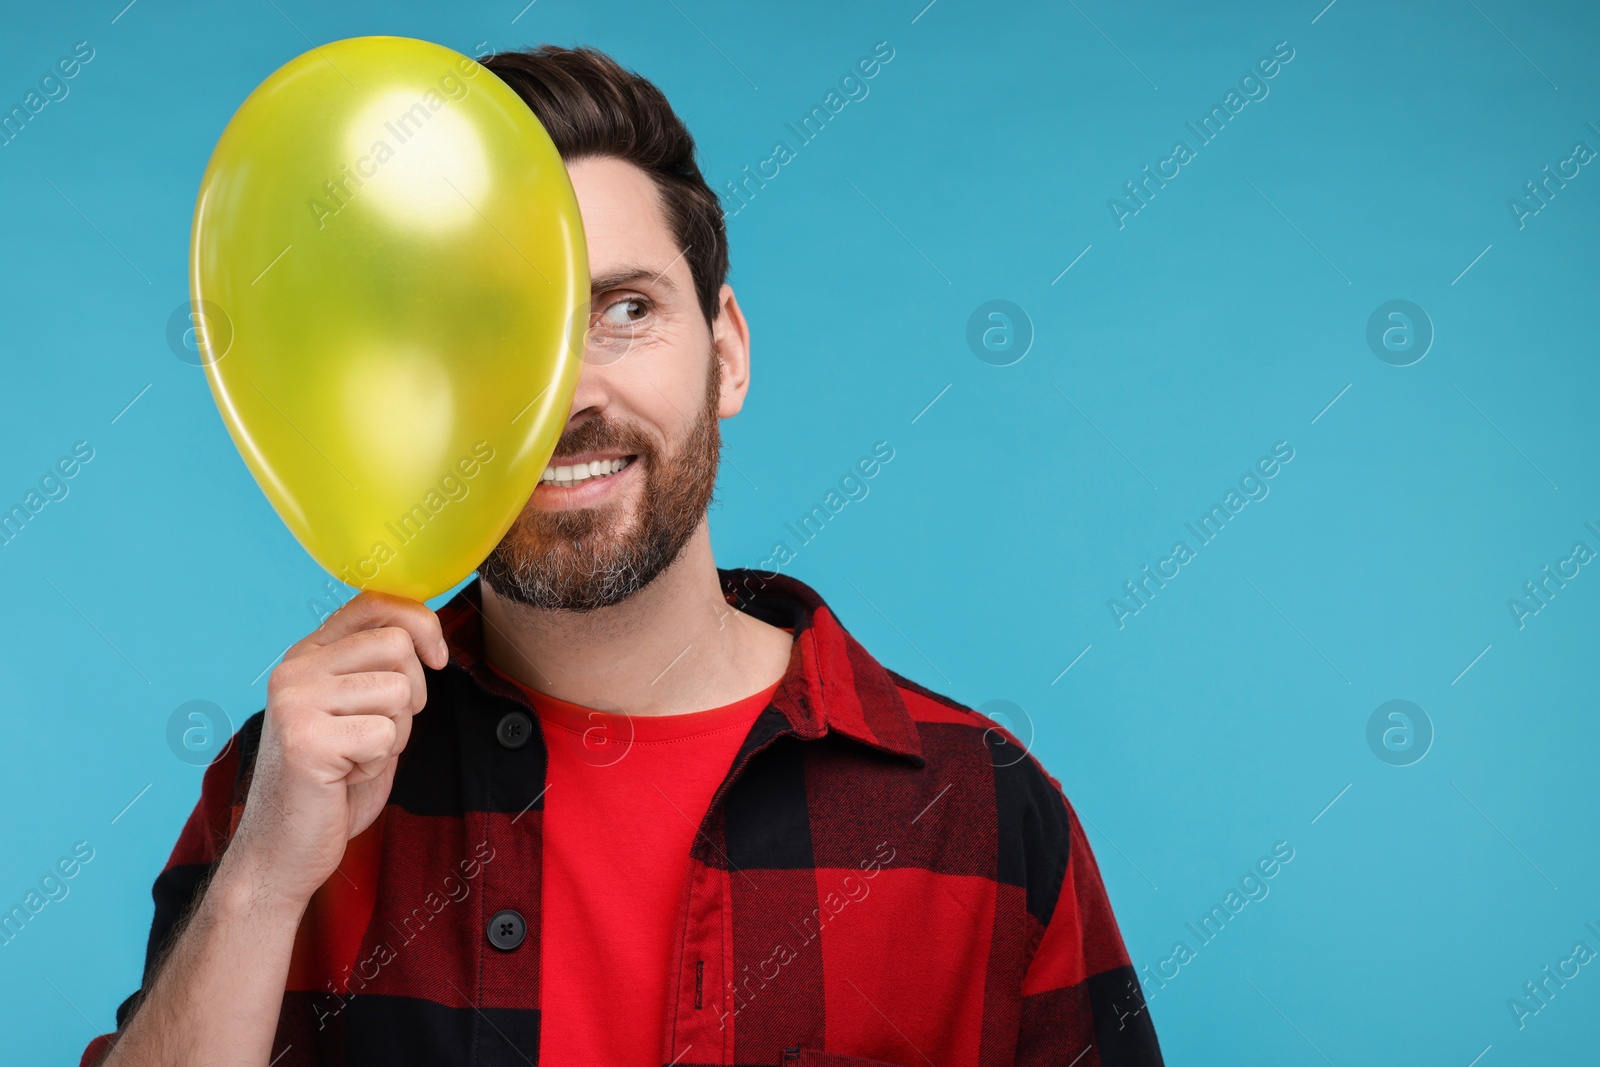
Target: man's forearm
(216, 997)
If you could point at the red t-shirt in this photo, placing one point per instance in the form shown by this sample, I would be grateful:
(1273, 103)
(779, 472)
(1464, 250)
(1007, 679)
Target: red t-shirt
(608, 920)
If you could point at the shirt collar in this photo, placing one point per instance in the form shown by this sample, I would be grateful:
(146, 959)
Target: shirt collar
(832, 683)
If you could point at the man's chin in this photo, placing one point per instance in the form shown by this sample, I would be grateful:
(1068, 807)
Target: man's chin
(570, 570)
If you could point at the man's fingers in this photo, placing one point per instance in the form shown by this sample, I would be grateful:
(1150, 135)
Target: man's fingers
(367, 771)
(369, 610)
(364, 740)
(385, 694)
(388, 649)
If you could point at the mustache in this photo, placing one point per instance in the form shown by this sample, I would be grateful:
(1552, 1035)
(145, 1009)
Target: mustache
(605, 435)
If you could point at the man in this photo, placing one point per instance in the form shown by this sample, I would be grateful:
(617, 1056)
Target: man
(613, 805)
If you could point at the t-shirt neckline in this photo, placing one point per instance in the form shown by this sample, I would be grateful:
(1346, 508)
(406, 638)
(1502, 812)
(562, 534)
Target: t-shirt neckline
(644, 729)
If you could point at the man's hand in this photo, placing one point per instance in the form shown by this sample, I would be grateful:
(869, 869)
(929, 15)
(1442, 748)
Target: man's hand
(338, 715)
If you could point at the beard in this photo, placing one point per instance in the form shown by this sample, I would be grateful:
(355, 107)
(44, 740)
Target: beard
(580, 559)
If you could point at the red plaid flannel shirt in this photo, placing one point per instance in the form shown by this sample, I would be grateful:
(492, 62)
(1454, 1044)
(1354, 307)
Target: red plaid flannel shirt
(884, 877)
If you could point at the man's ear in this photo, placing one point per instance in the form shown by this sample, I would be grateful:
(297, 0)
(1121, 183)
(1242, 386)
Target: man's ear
(730, 345)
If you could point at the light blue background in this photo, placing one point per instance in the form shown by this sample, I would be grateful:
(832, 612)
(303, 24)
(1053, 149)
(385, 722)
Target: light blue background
(1224, 317)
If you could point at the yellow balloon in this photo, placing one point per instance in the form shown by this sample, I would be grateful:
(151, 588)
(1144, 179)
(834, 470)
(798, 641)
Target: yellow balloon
(390, 289)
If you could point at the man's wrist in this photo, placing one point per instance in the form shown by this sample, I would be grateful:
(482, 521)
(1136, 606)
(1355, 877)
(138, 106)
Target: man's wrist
(241, 890)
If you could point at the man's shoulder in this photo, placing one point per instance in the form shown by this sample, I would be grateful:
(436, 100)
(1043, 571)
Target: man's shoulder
(1000, 733)
(1005, 788)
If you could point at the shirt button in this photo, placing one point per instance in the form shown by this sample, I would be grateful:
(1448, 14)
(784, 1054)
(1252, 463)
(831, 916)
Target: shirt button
(514, 730)
(507, 929)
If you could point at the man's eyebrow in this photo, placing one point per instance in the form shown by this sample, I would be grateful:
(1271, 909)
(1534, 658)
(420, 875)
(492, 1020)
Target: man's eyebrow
(632, 275)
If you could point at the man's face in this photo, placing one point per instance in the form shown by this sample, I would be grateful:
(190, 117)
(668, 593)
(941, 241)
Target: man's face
(648, 401)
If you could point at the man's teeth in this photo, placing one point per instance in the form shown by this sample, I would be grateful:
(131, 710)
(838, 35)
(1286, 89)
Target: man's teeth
(576, 474)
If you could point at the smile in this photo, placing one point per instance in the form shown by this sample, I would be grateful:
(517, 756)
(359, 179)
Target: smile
(567, 475)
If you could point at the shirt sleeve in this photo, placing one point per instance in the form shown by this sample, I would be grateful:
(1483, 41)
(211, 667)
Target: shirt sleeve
(1081, 1000)
(189, 867)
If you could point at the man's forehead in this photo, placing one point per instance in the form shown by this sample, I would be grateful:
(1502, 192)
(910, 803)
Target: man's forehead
(623, 223)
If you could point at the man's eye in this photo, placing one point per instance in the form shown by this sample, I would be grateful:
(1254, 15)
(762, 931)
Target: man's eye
(625, 313)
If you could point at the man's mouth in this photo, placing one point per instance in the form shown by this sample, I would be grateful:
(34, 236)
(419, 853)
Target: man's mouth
(580, 470)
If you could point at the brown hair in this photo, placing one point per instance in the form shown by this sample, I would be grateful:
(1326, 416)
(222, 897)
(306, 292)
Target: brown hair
(592, 106)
